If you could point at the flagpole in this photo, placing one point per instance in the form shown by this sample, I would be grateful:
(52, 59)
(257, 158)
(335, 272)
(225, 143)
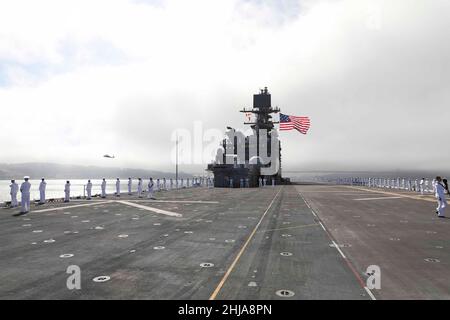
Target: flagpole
(176, 163)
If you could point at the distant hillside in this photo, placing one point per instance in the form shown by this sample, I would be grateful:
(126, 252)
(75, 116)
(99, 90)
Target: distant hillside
(60, 171)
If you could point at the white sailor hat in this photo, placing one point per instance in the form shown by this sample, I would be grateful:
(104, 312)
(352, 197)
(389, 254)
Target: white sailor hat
(26, 177)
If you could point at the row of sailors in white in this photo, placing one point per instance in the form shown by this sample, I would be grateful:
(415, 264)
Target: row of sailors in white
(130, 186)
(160, 185)
(26, 187)
(407, 184)
(423, 185)
(439, 187)
(245, 183)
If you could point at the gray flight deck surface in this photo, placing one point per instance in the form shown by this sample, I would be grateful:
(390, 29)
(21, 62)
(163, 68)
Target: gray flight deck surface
(256, 241)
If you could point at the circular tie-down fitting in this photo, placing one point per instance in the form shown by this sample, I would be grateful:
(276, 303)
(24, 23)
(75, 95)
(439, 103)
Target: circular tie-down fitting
(206, 265)
(101, 279)
(286, 254)
(26, 225)
(37, 231)
(49, 241)
(159, 248)
(99, 228)
(157, 224)
(285, 235)
(230, 241)
(431, 232)
(432, 260)
(122, 236)
(394, 239)
(439, 247)
(66, 255)
(188, 232)
(285, 293)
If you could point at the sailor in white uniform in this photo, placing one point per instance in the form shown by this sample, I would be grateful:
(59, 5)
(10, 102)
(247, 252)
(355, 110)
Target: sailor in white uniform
(42, 187)
(67, 192)
(118, 187)
(103, 186)
(150, 189)
(139, 190)
(130, 183)
(421, 185)
(25, 190)
(14, 189)
(440, 196)
(89, 190)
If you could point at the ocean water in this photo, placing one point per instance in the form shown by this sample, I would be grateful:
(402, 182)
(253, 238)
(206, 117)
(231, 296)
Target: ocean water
(55, 188)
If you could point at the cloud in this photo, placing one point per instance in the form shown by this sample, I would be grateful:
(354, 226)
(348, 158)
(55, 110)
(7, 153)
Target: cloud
(82, 78)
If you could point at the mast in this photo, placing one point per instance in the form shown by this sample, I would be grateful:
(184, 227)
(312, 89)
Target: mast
(262, 108)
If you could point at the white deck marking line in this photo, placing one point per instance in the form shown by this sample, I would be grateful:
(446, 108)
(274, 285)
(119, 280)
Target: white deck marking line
(339, 249)
(230, 269)
(370, 293)
(70, 207)
(395, 194)
(92, 200)
(380, 198)
(177, 201)
(323, 227)
(342, 191)
(358, 277)
(156, 210)
(297, 227)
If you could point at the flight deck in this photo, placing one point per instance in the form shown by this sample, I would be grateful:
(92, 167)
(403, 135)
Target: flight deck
(289, 242)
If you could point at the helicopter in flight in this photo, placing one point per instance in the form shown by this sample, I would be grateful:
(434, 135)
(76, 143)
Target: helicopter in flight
(109, 157)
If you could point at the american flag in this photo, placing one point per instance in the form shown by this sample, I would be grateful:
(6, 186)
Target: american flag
(301, 124)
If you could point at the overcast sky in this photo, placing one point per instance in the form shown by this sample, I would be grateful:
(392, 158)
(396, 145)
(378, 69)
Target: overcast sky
(82, 78)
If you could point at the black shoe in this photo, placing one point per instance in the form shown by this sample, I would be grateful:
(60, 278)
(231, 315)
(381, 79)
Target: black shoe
(441, 217)
(19, 214)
